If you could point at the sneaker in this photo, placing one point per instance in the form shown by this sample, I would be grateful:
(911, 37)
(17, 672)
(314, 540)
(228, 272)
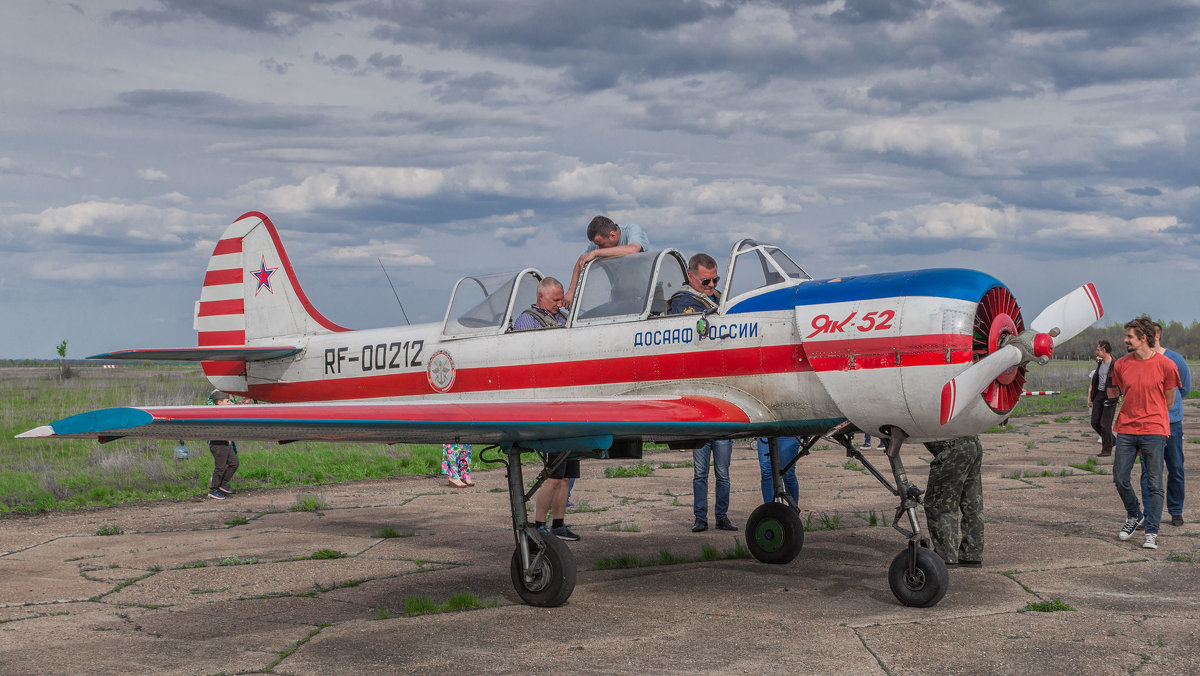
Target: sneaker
(564, 533)
(1176, 519)
(224, 488)
(216, 494)
(1151, 541)
(1131, 524)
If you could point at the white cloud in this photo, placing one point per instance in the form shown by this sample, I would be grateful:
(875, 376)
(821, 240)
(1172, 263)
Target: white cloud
(389, 253)
(152, 175)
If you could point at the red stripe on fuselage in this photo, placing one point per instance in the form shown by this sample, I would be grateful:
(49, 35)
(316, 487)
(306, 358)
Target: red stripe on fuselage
(875, 353)
(870, 353)
(648, 368)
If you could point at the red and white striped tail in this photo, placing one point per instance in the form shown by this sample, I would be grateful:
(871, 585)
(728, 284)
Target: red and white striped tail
(251, 297)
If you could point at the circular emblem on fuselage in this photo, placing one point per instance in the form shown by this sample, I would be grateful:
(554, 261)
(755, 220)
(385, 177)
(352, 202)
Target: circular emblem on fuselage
(441, 371)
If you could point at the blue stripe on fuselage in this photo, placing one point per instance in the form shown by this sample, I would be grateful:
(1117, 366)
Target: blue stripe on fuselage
(958, 283)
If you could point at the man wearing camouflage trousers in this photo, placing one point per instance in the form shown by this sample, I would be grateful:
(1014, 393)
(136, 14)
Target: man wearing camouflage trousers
(954, 487)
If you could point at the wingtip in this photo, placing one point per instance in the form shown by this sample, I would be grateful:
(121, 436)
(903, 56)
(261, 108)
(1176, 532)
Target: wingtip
(40, 432)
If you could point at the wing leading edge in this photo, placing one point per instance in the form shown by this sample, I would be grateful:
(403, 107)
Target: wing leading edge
(692, 417)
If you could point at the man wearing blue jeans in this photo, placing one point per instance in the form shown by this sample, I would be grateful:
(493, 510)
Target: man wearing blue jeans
(789, 448)
(1144, 379)
(1173, 452)
(721, 451)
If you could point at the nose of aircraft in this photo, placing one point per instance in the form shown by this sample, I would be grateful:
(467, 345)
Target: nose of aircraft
(1059, 322)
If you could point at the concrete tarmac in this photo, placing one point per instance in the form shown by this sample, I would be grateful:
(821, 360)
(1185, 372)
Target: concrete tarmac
(204, 587)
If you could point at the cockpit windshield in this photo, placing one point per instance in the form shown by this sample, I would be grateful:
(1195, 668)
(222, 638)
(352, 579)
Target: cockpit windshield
(755, 265)
(629, 287)
(482, 304)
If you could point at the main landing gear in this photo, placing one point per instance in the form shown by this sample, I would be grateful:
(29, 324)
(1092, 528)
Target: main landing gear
(542, 567)
(775, 534)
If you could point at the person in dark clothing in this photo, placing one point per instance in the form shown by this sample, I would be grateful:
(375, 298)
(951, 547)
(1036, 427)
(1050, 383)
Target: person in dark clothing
(1103, 407)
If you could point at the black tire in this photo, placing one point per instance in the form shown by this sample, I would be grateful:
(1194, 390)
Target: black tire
(774, 533)
(553, 578)
(922, 587)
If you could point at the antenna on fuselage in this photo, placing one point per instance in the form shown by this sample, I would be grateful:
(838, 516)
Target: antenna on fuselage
(389, 278)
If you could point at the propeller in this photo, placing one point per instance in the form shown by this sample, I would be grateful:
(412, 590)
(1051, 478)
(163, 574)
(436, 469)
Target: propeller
(1070, 314)
(1062, 320)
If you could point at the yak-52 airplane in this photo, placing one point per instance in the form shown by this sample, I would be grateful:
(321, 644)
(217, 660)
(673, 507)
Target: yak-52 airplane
(910, 356)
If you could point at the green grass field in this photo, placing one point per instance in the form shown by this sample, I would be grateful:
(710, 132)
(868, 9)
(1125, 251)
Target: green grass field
(41, 474)
(47, 474)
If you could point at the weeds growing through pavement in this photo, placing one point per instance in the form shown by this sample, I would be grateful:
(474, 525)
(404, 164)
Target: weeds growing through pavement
(390, 532)
(423, 605)
(1053, 605)
(620, 472)
(667, 558)
(827, 521)
(329, 554)
(1089, 465)
(236, 560)
(110, 530)
(309, 503)
(1192, 556)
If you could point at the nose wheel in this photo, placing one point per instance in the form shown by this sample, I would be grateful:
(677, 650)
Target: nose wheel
(920, 583)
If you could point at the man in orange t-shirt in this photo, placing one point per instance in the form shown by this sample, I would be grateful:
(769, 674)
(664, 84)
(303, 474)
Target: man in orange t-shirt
(1143, 378)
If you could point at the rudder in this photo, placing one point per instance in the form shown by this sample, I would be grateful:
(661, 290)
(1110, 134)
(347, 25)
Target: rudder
(251, 296)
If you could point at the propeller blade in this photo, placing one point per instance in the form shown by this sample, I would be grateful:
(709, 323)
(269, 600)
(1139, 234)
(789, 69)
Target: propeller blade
(962, 390)
(1070, 314)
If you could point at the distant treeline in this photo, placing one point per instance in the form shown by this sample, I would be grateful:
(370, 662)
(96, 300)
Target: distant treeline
(1183, 339)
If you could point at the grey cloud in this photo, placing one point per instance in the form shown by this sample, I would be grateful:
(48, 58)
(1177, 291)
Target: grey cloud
(279, 68)
(208, 108)
(1148, 191)
(279, 17)
(472, 88)
(872, 11)
(345, 62)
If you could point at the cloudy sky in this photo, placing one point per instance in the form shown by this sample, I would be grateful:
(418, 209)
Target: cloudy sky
(1046, 142)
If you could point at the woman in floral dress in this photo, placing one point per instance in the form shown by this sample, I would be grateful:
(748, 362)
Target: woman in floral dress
(456, 462)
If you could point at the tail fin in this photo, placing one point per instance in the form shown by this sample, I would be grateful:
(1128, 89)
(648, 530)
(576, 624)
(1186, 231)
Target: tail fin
(251, 294)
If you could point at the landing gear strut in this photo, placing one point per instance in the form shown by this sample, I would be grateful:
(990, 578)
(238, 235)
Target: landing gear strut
(917, 576)
(542, 567)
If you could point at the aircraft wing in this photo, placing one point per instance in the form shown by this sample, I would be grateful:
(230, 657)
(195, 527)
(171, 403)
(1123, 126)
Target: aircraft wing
(498, 422)
(232, 353)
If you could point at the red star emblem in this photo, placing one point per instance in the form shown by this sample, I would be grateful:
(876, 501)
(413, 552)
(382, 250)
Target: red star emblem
(263, 275)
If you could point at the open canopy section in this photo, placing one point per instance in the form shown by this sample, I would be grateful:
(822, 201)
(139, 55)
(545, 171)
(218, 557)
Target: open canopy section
(484, 304)
(628, 288)
(758, 267)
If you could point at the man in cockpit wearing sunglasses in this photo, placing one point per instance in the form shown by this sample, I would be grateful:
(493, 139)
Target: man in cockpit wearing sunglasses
(700, 293)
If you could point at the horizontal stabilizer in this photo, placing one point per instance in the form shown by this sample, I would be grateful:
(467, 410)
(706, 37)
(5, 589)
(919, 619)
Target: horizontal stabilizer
(231, 353)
